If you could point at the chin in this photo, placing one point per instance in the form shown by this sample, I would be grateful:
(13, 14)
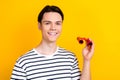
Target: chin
(52, 40)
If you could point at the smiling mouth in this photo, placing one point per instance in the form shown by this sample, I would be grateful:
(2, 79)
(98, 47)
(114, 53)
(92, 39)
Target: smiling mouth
(52, 33)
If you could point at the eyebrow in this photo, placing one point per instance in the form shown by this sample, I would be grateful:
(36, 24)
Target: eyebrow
(50, 21)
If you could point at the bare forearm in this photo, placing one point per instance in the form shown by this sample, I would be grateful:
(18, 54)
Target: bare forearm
(87, 55)
(86, 75)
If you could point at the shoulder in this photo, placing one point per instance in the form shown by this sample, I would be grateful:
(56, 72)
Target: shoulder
(64, 52)
(30, 54)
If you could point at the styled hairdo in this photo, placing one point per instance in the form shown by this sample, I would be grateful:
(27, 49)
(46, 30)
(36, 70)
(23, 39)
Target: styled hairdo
(49, 8)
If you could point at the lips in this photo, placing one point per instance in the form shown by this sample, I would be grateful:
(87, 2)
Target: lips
(52, 33)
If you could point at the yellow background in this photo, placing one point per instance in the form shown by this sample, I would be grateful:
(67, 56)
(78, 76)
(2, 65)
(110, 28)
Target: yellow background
(97, 19)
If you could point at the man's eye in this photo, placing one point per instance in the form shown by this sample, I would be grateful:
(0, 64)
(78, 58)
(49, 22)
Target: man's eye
(47, 23)
(58, 23)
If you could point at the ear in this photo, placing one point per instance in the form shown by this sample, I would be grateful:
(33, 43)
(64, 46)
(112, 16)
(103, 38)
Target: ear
(39, 26)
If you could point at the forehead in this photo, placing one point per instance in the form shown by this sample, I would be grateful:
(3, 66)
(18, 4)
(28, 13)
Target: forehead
(52, 16)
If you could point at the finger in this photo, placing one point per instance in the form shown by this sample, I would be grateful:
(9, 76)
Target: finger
(91, 47)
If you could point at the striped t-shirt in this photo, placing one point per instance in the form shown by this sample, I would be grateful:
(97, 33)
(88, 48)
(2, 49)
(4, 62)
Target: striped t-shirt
(62, 65)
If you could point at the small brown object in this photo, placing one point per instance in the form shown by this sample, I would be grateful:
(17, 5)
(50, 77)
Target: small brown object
(88, 42)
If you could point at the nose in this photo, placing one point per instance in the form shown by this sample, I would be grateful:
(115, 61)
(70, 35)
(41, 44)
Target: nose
(53, 27)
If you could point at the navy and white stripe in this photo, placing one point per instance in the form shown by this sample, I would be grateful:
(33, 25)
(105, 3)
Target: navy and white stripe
(63, 65)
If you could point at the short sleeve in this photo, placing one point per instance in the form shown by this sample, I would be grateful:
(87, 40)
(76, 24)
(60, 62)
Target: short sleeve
(75, 70)
(18, 73)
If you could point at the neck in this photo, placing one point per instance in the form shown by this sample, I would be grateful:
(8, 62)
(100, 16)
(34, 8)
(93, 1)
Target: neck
(46, 48)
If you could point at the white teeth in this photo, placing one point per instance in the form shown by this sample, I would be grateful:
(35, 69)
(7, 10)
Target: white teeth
(52, 33)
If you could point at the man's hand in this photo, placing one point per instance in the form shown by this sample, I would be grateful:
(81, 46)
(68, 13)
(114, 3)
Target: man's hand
(88, 52)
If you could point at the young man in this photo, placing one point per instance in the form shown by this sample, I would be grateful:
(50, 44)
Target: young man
(48, 61)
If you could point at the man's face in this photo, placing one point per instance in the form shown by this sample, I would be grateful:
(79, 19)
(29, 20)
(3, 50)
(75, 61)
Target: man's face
(51, 26)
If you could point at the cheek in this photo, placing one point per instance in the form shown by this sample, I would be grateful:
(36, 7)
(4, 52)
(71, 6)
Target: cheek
(45, 29)
(60, 28)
